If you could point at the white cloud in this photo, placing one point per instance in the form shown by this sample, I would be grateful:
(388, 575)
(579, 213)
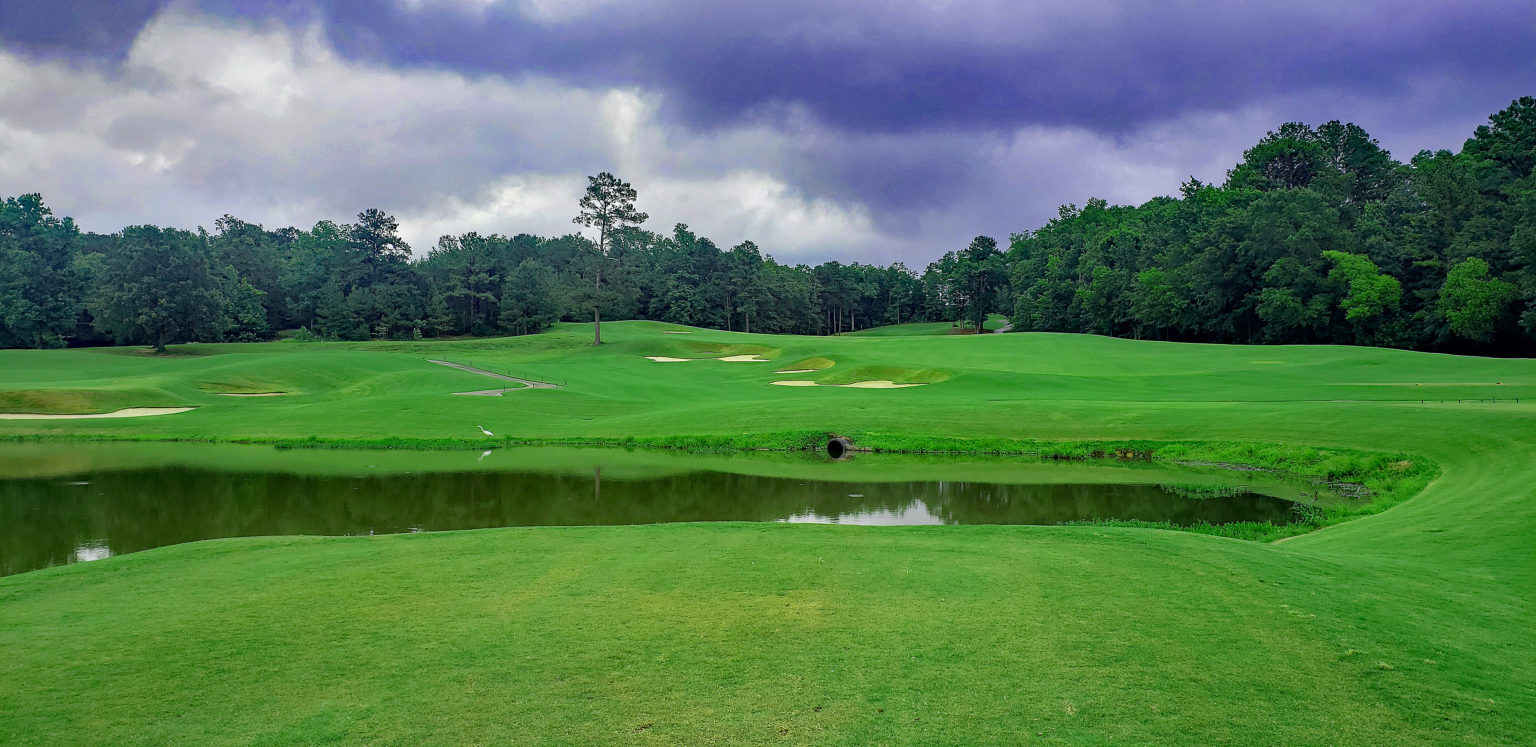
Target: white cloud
(268, 122)
(756, 206)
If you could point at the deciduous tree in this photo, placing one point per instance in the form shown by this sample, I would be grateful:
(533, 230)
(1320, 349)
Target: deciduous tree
(157, 287)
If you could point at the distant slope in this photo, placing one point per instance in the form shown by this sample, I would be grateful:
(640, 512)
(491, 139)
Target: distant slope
(994, 322)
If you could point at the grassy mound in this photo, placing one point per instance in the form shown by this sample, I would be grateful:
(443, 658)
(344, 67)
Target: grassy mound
(82, 401)
(914, 329)
(898, 374)
(245, 384)
(813, 363)
(699, 349)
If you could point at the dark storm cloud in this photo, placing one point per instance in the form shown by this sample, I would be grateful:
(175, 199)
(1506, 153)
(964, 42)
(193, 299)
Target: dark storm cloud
(87, 29)
(981, 68)
(882, 67)
(885, 67)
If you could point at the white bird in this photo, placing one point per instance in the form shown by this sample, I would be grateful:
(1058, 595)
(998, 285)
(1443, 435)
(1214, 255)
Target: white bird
(483, 456)
(483, 430)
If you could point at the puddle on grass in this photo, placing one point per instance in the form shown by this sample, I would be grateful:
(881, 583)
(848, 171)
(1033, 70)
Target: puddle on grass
(68, 503)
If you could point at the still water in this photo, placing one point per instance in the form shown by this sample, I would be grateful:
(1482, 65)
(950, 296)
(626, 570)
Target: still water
(70, 503)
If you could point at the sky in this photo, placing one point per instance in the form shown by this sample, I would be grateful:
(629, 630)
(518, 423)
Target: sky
(854, 131)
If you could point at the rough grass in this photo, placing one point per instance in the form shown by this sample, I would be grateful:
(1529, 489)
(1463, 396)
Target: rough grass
(814, 363)
(897, 374)
(1409, 625)
(81, 401)
(721, 350)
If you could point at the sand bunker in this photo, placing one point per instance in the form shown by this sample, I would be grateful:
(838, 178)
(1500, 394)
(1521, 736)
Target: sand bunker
(488, 392)
(251, 394)
(877, 384)
(754, 358)
(797, 370)
(130, 412)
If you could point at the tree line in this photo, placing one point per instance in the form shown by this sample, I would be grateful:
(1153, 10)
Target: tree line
(243, 282)
(1317, 236)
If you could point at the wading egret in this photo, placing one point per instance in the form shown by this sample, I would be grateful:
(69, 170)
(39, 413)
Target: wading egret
(483, 430)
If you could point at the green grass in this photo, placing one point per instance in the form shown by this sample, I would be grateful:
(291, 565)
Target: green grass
(1408, 624)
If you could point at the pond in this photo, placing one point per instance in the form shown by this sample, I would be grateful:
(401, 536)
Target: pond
(64, 503)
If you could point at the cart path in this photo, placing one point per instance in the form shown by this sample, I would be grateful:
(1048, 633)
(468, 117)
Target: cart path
(527, 383)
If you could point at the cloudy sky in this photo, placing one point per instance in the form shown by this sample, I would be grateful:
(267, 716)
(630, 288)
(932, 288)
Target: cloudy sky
(868, 131)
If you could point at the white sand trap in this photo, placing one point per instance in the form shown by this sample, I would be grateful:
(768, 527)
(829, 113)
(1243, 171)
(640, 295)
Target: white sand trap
(754, 358)
(675, 332)
(797, 370)
(878, 384)
(489, 392)
(665, 359)
(795, 383)
(131, 412)
(251, 394)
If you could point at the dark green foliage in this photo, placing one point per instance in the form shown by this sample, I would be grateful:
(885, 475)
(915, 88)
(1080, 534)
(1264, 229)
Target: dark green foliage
(158, 287)
(1287, 159)
(364, 287)
(246, 319)
(1509, 138)
(255, 257)
(530, 299)
(608, 206)
(39, 284)
(376, 238)
(1473, 303)
(979, 280)
(1317, 236)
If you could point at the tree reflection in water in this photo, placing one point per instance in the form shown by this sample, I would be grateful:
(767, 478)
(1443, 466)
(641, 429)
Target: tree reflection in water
(47, 522)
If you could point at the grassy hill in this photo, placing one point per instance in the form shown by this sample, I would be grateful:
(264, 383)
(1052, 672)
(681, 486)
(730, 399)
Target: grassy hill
(1409, 626)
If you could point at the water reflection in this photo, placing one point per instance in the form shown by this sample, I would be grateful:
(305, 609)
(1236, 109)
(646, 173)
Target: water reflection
(915, 514)
(80, 517)
(95, 549)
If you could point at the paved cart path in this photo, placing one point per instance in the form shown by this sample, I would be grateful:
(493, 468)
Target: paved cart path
(529, 383)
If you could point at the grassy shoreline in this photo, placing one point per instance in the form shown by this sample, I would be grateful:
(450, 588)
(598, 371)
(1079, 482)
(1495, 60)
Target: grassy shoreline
(1388, 478)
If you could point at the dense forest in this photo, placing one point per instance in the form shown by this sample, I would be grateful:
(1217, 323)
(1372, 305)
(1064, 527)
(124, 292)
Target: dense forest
(243, 282)
(1317, 236)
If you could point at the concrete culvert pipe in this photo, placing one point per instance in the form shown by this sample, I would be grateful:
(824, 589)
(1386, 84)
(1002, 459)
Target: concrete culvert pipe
(839, 447)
